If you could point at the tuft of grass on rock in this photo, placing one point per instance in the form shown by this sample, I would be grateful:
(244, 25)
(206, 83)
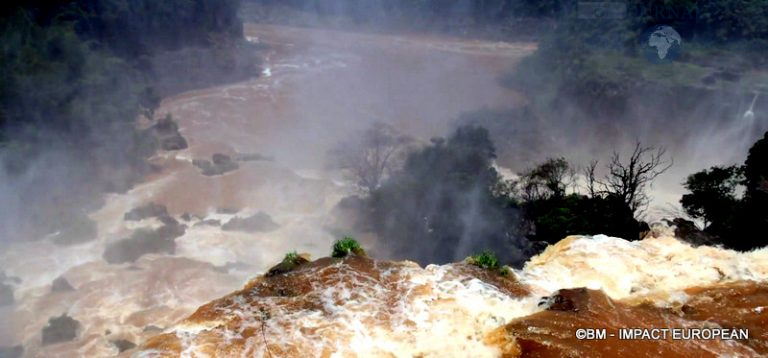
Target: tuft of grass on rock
(291, 261)
(488, 260)
(291, 258)
(485, 259)
(348, 245)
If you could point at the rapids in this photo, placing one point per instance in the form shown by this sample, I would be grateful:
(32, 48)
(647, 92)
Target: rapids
(307, 99)
(362, 307)
(284, 121)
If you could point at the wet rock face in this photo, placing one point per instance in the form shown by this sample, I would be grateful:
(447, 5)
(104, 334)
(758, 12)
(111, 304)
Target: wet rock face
(60, 329)
(687, 231)
(166, 133)
(123, 345)
(286, 266)
(145, 241)
(302, 309)
(552, 333)
(572, 300)
(259, 222)
(175, 142)
(218, 165)
(61, 285)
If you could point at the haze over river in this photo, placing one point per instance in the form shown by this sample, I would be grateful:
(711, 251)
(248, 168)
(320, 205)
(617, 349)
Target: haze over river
(317, 87)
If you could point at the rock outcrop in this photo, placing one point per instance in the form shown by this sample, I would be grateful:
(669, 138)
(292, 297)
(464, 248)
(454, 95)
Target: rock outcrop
(358, 306)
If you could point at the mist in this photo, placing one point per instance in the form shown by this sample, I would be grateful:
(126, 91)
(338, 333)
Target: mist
(169, 145)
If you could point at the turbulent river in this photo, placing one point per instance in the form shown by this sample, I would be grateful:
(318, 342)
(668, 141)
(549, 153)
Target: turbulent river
(317, 88)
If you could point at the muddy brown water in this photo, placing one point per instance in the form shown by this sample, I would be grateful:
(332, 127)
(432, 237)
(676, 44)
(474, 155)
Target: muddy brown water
(318, 87)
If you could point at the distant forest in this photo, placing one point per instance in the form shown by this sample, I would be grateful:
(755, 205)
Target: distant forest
(81, 70)
(75, 75)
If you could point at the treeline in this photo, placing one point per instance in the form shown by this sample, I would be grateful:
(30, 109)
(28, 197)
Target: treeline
(732, 201)
(72, 68)
(487, 18)
(483, 10)
(445, 200)
(74, 76)
(597, 67)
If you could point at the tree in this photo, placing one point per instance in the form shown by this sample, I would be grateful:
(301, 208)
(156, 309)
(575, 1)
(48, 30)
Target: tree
(591, 177)
(736, 221)
(555, 218)
(372, 155)
(756, 168)
(630, 180)
(549, 179)
(712, 196)
(552, 215)
(442, 205)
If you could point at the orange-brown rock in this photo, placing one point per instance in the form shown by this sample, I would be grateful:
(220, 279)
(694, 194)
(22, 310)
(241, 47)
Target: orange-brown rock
(552, 332)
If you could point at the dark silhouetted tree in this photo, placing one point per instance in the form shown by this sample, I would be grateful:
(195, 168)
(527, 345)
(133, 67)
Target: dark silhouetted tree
(549, 179)
(737, 222)
(441, 206)
(713, 195)
(630, 180)
(552, 215)
(372, 155)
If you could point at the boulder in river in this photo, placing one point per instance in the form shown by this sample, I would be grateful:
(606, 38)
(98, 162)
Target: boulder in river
(61, 285)
(167, 134)
(123, 345)
(219, 164)
(144, 241)
(60, 329)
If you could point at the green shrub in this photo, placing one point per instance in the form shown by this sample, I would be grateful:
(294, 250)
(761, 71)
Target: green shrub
(290, 262)
(485, 259)
(291, 258)
(342, 248)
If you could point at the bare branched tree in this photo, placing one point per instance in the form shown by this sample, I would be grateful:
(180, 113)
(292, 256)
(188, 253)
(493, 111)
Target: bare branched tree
(371, 155)
(630, 180)
(591, 178)
(550, 179)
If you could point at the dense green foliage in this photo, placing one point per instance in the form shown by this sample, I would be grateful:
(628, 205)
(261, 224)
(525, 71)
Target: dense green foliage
(557, 217)
(74, 69)
(442, 205)
(712, 195)
(484, 11)
(737, 221)
(137, 27)
(346, 246)
(487, 18)
(291, 258)
(486, 259)
(74, 75)
(552, 213)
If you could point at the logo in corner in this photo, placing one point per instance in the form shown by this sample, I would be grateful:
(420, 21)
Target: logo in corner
(661, 44)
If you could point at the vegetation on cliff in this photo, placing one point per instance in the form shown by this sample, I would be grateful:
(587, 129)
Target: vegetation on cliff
(75, 75)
